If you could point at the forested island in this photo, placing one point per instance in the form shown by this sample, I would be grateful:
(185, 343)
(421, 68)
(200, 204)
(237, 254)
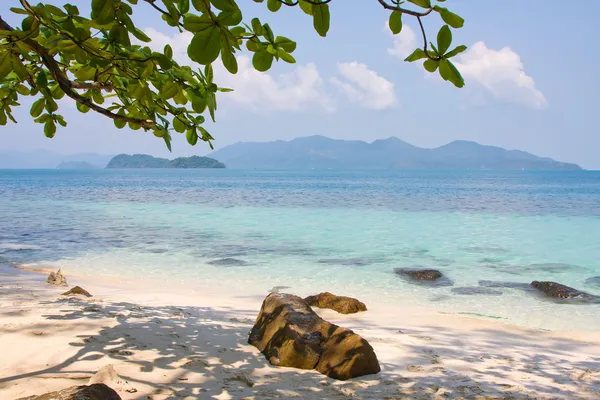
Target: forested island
(147, 161)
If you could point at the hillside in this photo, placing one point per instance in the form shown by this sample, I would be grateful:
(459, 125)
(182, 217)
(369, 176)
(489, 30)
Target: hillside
(40, 159)
(320, 152)
(146, 161)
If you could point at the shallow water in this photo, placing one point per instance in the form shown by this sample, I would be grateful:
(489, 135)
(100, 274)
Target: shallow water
(343, 231)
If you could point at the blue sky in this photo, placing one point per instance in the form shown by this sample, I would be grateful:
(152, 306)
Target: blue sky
(531, 84)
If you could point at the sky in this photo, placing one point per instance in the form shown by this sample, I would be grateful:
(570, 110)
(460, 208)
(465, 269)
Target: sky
(530, 71)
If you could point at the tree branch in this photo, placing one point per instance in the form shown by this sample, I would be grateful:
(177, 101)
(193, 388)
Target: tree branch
(67, 85)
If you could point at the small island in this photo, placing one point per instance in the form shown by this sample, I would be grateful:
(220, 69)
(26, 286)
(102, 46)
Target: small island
(147, 161)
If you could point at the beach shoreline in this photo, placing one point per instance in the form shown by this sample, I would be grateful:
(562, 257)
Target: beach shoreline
(177, 345)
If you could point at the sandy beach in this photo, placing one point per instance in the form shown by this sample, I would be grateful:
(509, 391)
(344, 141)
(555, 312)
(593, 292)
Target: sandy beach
(169, 345)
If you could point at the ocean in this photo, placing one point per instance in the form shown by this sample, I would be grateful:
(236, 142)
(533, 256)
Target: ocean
(311, 231)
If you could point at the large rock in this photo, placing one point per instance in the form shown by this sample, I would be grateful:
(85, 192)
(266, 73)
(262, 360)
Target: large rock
(341, 304)
(558, 291)
(290, 334)
(77, 290)
(57, 278)
(97, 391)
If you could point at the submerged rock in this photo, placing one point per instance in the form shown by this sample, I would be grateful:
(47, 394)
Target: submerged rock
(593, 281)
(420, 274)
(472, 290)
(559, 291)
(229, 262)
(57, 278)
(505, 285)
(290, 334)
(428, 276)
(341, 304)
(77, 290)
(97, 391)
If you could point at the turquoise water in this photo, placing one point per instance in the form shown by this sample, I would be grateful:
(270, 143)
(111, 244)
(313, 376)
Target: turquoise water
(342, 231)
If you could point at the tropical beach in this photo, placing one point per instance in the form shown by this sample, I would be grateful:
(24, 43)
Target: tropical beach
(166, 345)
(311, 199)
(172, 313)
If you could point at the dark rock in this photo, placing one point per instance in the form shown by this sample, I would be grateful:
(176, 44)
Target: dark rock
(593, 281)
(290, 334)
(420, 274)
(97, 391)
(558, 291)
(424, 276)
(229, 262)
(341, 304)
(77, 290)
(472, 290)
(57, 278)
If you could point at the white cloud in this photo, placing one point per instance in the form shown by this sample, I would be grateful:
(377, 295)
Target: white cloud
(501, 73)
(365, 86)
(404, 43)
(497, 72)
(298, 90)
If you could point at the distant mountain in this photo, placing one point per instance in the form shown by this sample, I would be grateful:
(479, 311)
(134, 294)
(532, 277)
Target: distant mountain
(321, 152)
(76, 165)
(41, 159)
(146, 161)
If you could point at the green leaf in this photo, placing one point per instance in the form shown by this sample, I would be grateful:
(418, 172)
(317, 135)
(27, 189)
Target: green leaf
(285, 56)
(262, 61)
(201, 5)
(257, 26)
(422, 3)
(195, 23)
(5, 64)
(51, 105)
(19, 11)
(431, 65)
(191, 136)
(3, 119)
(37, 107)
(230, 18)
(449, 17)
(229, 60)
(168, 51)
(457, 50)
(184, 6)
(395, 22)
(141, 36)
(321, 18)
(169, 90)
(23, 90)
(41, 81)
(167, 138)
(71, 9)
(225, 5)
(49, 129)
(286, 44)
(82, 107)
(118, 123)
(444, 39)
(449, 73)
(251, 45)
(416, 55)
(306, 7)
(205, 46)
(103, 11)
(178, 124)
(273, 5)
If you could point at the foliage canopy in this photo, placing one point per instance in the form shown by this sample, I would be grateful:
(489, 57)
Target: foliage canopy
(57, 52)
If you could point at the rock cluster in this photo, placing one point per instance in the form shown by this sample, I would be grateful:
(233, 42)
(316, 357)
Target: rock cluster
(290, 334)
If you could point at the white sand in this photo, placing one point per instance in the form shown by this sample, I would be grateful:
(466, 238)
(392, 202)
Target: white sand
(168, 345)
